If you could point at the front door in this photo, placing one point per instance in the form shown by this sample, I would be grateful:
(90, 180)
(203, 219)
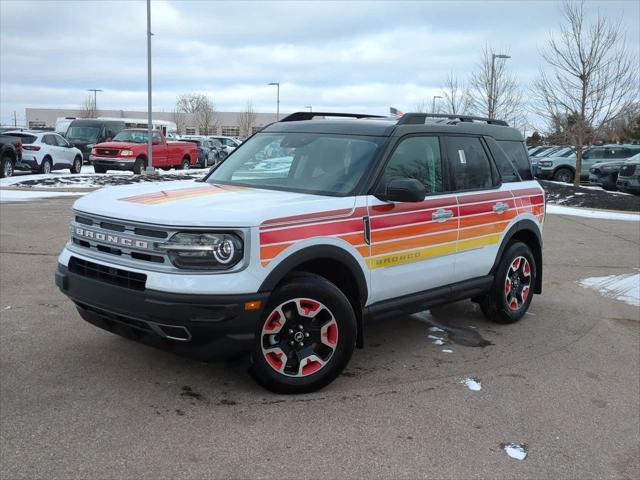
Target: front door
(413, 245)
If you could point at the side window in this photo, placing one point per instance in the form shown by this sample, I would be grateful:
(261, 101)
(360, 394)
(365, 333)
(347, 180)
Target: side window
(419, 158)
(61, 142)
(469, 164)
(156, 136)
(519, 158)
(50, 140)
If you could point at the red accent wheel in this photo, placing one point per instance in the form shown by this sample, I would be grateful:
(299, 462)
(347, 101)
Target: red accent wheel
(517, 284)
(299, 337)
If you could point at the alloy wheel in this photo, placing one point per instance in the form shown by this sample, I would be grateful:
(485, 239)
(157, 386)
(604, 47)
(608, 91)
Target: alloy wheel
(517, 285)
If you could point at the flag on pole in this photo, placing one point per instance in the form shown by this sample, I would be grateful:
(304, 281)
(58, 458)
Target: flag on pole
(394, 112)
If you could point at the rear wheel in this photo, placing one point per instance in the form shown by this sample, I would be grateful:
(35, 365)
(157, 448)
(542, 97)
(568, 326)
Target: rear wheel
(563, 175)
(45, 167)
(77, 165)
(185, 164)
(139, 165)
(99, 169)
(306, 337)
(6, 167)
(512, 289)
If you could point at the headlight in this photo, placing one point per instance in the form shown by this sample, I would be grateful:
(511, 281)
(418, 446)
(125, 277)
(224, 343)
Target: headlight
(204, 251)
(126, 153)
(545, 163)
(93, 151)
(91, 145)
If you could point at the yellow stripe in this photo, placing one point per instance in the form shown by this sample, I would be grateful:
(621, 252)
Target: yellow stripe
(478, 242)
(410, 256)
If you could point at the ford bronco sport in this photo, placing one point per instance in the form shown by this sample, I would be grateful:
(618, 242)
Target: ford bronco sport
(308, 229)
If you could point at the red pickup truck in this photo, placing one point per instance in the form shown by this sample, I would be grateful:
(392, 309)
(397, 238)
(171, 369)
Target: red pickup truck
(128, 151)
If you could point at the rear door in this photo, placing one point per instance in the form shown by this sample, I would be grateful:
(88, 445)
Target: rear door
(66, 152)
(51, 147)
(413, 245)
(160, 151)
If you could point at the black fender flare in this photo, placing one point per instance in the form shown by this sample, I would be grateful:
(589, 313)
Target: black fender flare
(317, 252)
(529, 226)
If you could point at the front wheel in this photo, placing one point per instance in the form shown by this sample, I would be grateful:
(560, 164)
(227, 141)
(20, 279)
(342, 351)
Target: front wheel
(305, 338)
(99, 169)
(77, 165)
(138, 166)
(513, 284)
(45, 167)
(563, 175)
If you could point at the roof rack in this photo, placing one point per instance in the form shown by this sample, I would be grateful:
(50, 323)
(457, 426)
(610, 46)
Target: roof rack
(420, 118)
(299, 116)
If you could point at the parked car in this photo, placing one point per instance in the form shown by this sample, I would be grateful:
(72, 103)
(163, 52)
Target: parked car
(229, 144)
(43, 152)
(128, 151)
(563, 168)
(63, 124)
(10, 154)
(365, 219)
(207, 153)
(629, 176)
(84, 133)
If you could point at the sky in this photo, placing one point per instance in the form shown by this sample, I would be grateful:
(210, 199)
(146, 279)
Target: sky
(360, 56)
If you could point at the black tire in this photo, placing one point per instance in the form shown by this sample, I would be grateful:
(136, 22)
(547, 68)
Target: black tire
(185, 164)
(46, 165)
(139, 165)
(99, 169)
(508, 301)
(223, 154)
(324, 337)
(563, 175)
(6, 167)
(77, 165)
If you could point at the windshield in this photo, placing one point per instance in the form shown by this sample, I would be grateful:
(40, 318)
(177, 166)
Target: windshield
(89, 134)
(303, 162)
(134, 136)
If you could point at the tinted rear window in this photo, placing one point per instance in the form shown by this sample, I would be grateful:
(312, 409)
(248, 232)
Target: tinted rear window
(25, 138)
(518, 156)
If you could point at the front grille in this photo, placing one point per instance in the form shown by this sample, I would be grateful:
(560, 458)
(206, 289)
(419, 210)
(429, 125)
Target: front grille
(107, 151)
(627, 170)
(114, 276)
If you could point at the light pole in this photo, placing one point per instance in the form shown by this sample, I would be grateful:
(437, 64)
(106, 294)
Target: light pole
(492, 83)
(277, 84)
(433, 103)
(149, 120)
(95, 97)
(309, 107)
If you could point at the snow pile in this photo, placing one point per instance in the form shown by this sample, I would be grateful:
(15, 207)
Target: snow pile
(625, 288)
(583, 212)
(20, 196)
(515, 450)
(472, 384)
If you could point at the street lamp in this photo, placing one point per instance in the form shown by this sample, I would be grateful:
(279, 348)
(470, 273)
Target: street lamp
(95, 97)
(309, 107)
(277, 84)
(433, 103)
(492, 83)
(149, 168)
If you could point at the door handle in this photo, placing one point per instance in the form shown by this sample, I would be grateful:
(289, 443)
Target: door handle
(500, 207)
(441, 215)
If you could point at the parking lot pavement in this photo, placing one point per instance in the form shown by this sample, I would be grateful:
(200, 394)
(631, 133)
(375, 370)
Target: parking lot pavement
(78, 402)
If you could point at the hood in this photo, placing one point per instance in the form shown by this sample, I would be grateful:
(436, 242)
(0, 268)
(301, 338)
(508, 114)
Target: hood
(81, 144)
(197, 204)
(615, 164)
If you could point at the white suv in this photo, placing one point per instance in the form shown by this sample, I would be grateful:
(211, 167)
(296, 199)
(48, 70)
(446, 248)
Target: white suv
(43, 152)
(308, 230)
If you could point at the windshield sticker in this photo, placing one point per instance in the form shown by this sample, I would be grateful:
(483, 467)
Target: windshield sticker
(165, 196)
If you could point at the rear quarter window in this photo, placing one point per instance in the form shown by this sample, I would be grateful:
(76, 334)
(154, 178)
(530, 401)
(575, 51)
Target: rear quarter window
(517, 153)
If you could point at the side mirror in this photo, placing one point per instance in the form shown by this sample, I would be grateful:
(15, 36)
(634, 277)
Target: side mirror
(404, 190)
(155, 141)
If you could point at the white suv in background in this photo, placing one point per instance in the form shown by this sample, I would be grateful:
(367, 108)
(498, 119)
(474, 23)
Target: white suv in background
(229, 143)
(43, 152)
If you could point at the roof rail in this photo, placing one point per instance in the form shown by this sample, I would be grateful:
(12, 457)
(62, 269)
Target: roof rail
(299, 116)
(420, 118)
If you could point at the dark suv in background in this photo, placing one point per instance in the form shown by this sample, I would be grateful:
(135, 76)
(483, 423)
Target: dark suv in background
(85, 133)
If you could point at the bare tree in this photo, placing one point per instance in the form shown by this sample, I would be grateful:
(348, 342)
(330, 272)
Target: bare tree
(180, 119)
(421, 107)
(588, 76)
(493, 92)
(455, 96)
(202, 107)
(88, 108)
(247, 120)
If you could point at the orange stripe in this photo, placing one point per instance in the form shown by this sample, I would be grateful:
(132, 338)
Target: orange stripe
(413, 230)
(273, 250)
(487, 218)
(406, 244)
(482, 230)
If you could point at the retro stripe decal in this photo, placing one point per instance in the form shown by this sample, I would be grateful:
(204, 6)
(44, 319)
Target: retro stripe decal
(165, 196)
(406, 232)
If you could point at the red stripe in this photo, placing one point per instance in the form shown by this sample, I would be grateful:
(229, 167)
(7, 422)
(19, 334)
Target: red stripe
(528, 191)
(407, 218)
(298, 233)
(409, 207)
(346, 212)
(484, 197)
(486, 207)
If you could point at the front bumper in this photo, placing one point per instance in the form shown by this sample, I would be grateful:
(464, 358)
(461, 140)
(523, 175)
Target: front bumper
(606, 180)
(206, 327)
(629, 184)
(544, 173)
(113, 163)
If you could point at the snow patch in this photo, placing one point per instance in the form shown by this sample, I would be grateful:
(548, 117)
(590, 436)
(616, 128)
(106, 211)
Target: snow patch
(447, 350)
(625, 287)
(22, 196)
(435, 329)
(586, 213)
(438, 341)
(472, 384)
(515, 450)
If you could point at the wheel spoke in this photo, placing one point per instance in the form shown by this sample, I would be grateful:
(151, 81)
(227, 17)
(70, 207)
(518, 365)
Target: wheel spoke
(329, 334)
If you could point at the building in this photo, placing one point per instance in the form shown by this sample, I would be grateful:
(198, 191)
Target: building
(225, 123)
